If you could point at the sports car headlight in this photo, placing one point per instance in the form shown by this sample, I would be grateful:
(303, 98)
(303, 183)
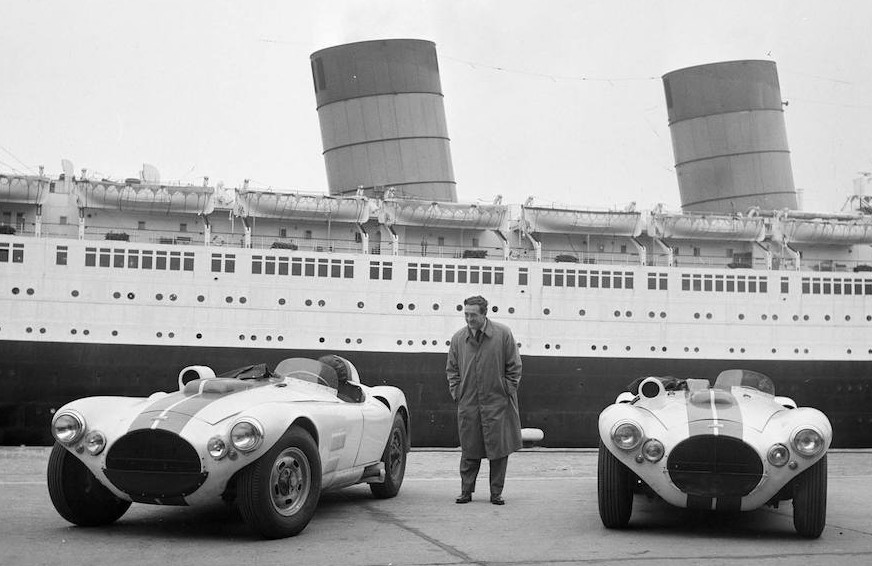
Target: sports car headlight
(627, 435)
(808, 442)
(778, 455)
(246, 435)
(95, 442)
(216, 447)
(68, 427)
(653, 450)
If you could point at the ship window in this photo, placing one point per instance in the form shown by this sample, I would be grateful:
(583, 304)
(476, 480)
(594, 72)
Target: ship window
(764, 284)
(104, 257)
(685, 282)
(296, 266)
(486, 275)
(570, 277)
(628, 281)
(189, 261)
(183, 227)
(697, 282)
(140, 225)
(147, 259)
(707, 283)
(663, 282)
(62, 220)
(216, 263)
(652, 282)
(731, 284)
(816, 286)
(118, 258)
(425, 272)
(449, 274)
(323, 268)
(309, 267)
(283, 232)
(785, 285)
(387, 270)
(160, 260)
(582, 278)
(175, 261)
(474, 274)
(594, 279)
(256, 265)
(461, 274)
(522, 276)
(837, 287)
(283, 265)
(413, 272)
(90, 256)
(806, 285)
(558, 278)
(618, 280)
(849, 288)
(858, 288)
(437, 273)
(606, 280)
(307, 235)
(867, 288)
(752, 284)
(546, 277)
(336, 268)
(719, 283)
(61, 257)
(133, 259)
(827, 287)
(269, 265)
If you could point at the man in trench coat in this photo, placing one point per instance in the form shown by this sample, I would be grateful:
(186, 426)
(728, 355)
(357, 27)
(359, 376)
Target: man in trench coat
(484, 371)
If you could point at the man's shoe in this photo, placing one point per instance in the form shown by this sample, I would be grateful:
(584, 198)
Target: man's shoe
(464, 498)
(497, 500)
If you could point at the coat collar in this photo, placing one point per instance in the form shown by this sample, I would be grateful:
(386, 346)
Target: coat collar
(486, 330)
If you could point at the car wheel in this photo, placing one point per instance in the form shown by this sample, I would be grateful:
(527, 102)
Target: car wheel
(277, 494)
(78, 495)
(614, 490)
(810, 500)
(394, 459)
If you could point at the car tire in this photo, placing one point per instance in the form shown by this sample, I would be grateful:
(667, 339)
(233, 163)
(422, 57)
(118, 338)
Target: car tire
(277, 494)
(394, 459)
(614, 490)
(77, 494)
(810, 500)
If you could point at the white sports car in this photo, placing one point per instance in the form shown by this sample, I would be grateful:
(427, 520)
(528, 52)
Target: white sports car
(731, 447)
(270, 441)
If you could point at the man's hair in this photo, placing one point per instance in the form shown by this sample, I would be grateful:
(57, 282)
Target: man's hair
(477, 300)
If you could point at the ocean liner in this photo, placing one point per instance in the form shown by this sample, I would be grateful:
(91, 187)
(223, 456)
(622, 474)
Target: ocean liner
(109, 287)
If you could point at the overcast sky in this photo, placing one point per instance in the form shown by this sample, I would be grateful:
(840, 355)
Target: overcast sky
(560, 100)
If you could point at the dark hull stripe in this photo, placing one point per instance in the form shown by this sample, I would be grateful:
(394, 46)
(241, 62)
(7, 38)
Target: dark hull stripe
(563, 396)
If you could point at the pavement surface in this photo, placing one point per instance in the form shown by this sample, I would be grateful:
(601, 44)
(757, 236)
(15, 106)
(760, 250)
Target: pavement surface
(550, 517)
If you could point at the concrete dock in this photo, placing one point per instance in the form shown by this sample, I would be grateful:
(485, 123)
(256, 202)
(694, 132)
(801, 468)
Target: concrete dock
(550, 518)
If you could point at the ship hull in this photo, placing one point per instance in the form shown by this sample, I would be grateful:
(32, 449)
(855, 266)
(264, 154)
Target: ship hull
(563, 396)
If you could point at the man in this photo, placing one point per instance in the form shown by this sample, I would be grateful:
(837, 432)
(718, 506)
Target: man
(484, 371)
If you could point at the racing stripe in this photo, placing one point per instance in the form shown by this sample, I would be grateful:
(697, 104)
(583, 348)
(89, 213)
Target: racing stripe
(713, 412)
(173, 411)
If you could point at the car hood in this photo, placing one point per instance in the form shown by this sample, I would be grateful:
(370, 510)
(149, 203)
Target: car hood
(173, 411)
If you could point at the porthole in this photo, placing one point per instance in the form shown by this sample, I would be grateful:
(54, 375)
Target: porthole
(741, 350)
(253, 337)
(411, 306)
(15, 290)
(360, 304)
(434, 341)
(321, 339)
(546, 311)
(650, 314)
(628, 314)
(399, 306)
(593, 347)
(116, 295)
(172, 334)
(548, 346)
(774, 350)
(268, 338)
(495, 309)
(848, 350)
(805, 317)
(74, 293)
(557, 347)
(114, 333)
(435, 306)
(796, 350)
(708, 315)
(847, 317)
(282, 301)
(511, 310)
(662, 314)
(30, 291)
(604, 347)
(281, 338)
(741, 317)
(86, 332)
(826, 317)
(763, 317)
(696, 315)
(321, 303)
(228, 300)
(795, 318)
(519, 345)
(159, 334)
(423, 342)
(696, 349)
(131, 296)
(653, 349)
(805, 350)
(686, 349)
(173, 296)
(663, 348)
(627, 348)
(199, 336)
(774, 317)
(42, 330)
(459, 308)
(410, 342)
(308, 302)
(868, 318)
(243, 300)
(348, 340)
(159, 297)
(447, 342)
(617, 314)
(732, 350)
(582, 312)
(73, 331)
(201, 298)
(29, 330)
(399, 342)
(242, 336)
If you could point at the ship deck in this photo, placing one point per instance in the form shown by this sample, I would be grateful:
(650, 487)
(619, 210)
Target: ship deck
(550, 518)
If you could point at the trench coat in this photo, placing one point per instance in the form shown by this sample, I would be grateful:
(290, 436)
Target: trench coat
(483, 380)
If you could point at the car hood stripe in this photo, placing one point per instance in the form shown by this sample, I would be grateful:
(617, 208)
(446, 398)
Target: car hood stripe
(715, 412)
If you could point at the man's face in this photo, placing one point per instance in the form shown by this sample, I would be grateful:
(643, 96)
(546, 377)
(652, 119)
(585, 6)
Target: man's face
(474, 318)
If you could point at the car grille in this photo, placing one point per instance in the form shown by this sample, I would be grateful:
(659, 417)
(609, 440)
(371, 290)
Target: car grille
(714, 466)
(154, 466)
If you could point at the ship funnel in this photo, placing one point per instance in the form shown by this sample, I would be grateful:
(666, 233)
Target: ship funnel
(729, 138)
(382, 119)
